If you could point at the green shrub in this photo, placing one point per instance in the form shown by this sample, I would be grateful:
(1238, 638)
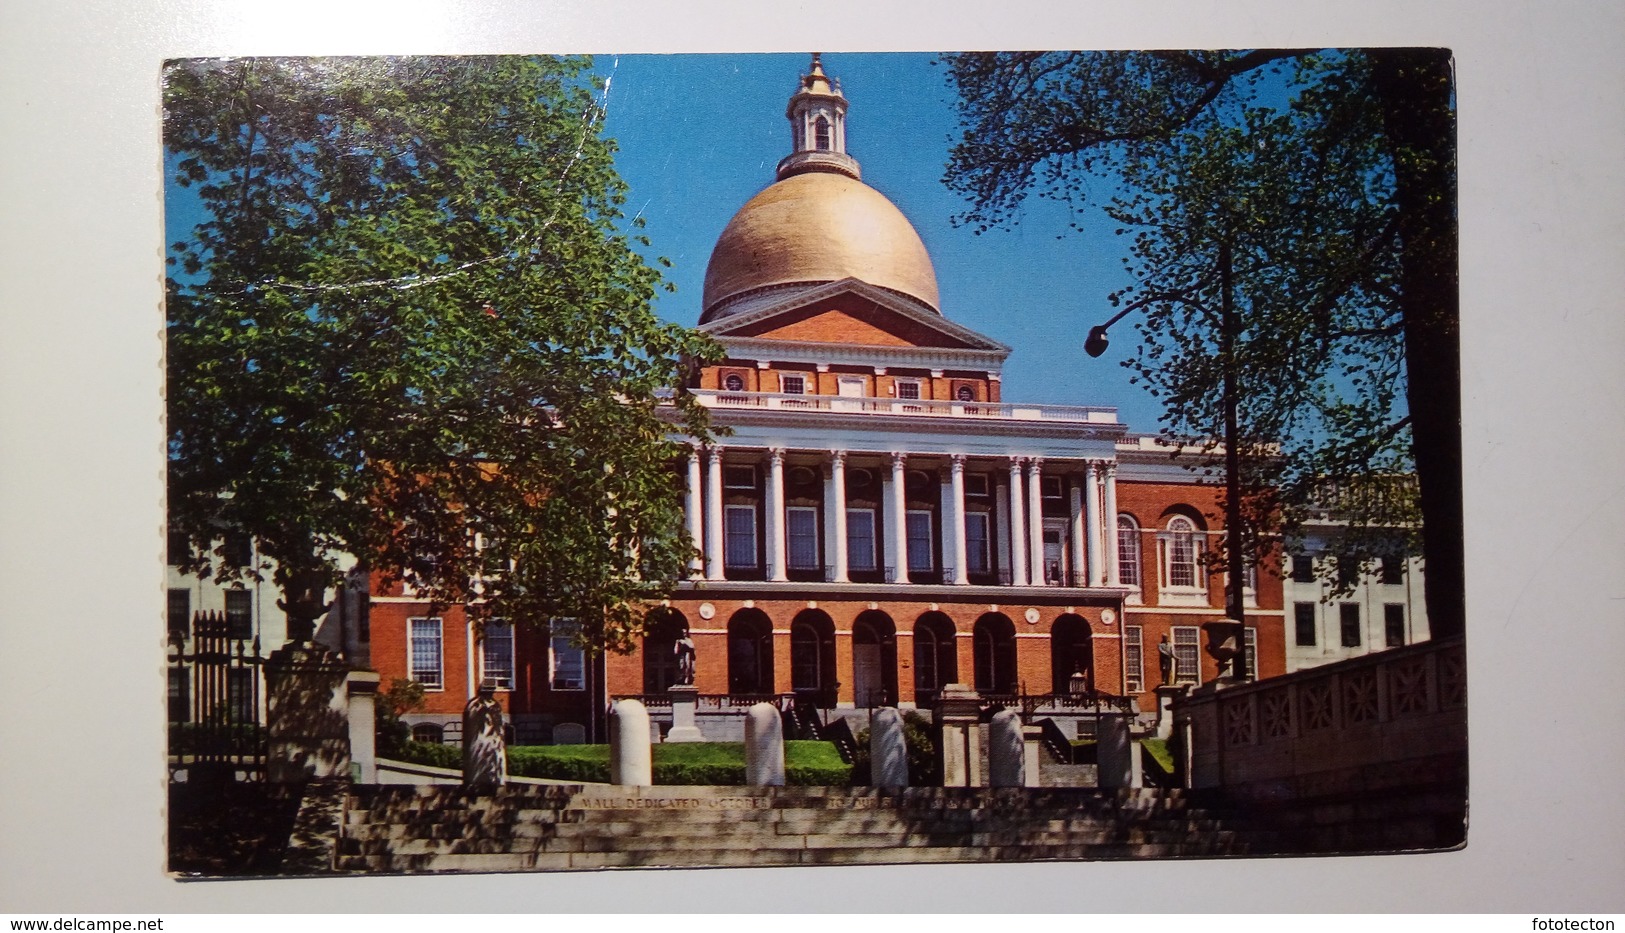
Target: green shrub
(1158, 749)
(433, 754)
(806, 763)
(402, 696)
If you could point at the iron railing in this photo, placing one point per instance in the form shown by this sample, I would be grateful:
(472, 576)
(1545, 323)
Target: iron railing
(215, 697)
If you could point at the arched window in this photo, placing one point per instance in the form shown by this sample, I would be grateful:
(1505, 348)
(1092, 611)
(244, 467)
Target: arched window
(874, 659)
(812, 658)
(1180, 552)
(1128, 551)
(994, 651)
(750, 653)
(665, 626)
(936, 661)
(1072, 651)
(821, 135)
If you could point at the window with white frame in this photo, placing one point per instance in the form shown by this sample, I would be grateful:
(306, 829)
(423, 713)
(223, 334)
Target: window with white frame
(496, 655)
(1393, 624)
(1128, 551)
(425, 655)
(1349, 621)
(1252, 654)
(801, 534)
(239, 614)
(1052, 487)
(1133, 659)
(739, 477)
(733, 382)
(976, 484)
(1303, 624)
(919, 541)
(908, 388)
(792, 384)
(1179, 553)
(978, 543)
(739, 536)
(1187, 659)
(567, 661)
(860, 539)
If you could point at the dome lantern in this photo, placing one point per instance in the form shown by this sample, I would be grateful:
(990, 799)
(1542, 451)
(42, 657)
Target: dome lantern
(817, 114)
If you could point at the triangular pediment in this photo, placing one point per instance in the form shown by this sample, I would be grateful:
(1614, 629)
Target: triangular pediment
(850, 313)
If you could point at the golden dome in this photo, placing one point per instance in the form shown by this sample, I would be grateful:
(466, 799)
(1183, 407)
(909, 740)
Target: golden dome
(817, 227)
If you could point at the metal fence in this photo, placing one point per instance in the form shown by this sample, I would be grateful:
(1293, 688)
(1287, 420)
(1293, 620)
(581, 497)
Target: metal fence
(216, 701)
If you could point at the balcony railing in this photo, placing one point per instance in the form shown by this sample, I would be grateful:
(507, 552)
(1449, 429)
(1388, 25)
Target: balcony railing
(1002, 411)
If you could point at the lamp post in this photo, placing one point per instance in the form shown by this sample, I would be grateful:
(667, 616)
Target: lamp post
(1096, 344)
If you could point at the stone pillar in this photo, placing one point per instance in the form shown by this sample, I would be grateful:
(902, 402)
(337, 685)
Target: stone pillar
(1166, 695)
(683, 728)
(1032, 741)
(631, 762)
(1083, 555)
(1092, 523)
(1109, 520)
(713, 517)
(835, 494)
(1006, 755)
(775, 516)
(1001, 527)
(307, 713)
(897, 526)
(764, 746)
(1018, 527)
(1117, 753)
(956, 476)
(485, 751)
(888, 752)
(694, 510)
(1035, 519)
(958, 713)
(361, 687)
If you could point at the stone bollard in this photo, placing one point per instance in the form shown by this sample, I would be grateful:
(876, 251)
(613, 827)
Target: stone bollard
(1032, 747)
(631, 761)
(1006, 753)
(362, 688)
(485, 752)
(764, 746)
(1117, 753)
(307, 712)
(888, 751)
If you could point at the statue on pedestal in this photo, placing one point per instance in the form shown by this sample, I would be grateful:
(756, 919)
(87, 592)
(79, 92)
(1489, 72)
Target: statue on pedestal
(1165, 656)
(683, 648)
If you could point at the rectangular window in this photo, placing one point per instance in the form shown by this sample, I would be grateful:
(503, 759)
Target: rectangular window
(496, 655)
(1303, 568)
(1393, 624)
(180, 695)
(1181, 559)
(740, 536)
(739, 477)
(423, 662)
(177, 545)
(1349, 613)
(180, 611)
(908, 388)
(1052, 487)
(239, 549)
(1393, 570)
(1252, 653)
(792, 384)
(1133, 659)
(1348, 571)
(919, 541)
(1187, 659)
(1303, 618)
(977, 543)
(240, 695)
(801, 527)
(860, 539)
(239, 614)
(976, 484)
(567, 661)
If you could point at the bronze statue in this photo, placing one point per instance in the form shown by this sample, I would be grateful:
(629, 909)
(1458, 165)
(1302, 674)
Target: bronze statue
(1165, 655)
(683, 648)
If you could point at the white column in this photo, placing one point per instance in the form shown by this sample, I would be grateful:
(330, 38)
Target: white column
(1078, 532)
(1035, 519)
(693, 506)
(1110, 521)
(1091, 522)
(1018, 536)
(835, 497)
(1001, 526)
(956, 475)
(713, 517)
(775, 515)
(897, 531)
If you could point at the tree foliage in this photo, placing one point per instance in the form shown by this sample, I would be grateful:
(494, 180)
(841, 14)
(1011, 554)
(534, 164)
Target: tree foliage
(410, 328)
(1329, 178)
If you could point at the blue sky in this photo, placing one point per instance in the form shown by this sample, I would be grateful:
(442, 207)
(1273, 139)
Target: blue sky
(700, 134)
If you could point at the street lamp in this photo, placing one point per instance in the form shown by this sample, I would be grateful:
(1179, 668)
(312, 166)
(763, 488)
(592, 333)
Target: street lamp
(1095, 344)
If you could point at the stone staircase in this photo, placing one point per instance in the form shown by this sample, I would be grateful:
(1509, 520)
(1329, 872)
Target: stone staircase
(571, 827)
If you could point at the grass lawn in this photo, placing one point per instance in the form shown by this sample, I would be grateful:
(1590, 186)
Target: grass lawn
(805, 762)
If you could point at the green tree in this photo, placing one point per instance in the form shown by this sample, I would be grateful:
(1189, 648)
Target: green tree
(410, 329)
(1324, 184)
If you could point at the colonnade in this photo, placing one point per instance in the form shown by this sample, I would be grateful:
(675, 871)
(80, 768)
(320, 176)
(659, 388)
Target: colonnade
(1017, 515)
